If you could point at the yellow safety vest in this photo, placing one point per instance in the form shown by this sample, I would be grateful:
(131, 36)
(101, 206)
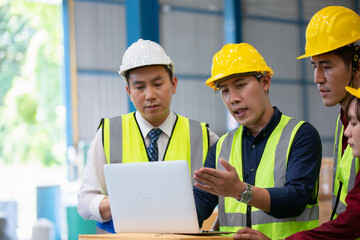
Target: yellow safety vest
(345, 169)
(271, 172)
(123, 141)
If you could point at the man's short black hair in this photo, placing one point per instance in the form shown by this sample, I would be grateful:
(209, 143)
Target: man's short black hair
(127, 73)
(345, 53)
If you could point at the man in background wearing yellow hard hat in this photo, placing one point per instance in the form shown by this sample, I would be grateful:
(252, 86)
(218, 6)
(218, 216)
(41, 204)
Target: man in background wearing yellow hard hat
(152, 133)
(264, 173)
(346, 225)
(332, 43)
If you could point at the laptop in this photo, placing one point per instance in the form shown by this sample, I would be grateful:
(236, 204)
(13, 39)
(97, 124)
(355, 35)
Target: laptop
(151, 197)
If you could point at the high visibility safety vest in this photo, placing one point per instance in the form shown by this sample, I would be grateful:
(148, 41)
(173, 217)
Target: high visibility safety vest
(271, 172)
(345, 169)
(124, 143)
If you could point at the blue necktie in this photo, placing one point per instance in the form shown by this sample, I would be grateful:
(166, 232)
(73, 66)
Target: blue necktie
(152, 149)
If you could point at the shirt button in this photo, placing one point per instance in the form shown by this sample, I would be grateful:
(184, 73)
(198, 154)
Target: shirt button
(253, 146)
(251, 169)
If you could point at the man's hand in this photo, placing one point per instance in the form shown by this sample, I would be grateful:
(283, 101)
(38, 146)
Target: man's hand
(224, 184)
(248, 233)
(104, 209)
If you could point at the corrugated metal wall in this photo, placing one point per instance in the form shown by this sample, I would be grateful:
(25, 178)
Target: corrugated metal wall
(100, 44)
(191, 32)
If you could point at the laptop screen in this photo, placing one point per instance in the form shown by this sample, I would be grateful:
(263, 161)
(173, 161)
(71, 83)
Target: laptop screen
(153, 197)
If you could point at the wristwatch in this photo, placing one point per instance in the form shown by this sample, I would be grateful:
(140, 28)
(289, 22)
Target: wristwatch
(246, 195)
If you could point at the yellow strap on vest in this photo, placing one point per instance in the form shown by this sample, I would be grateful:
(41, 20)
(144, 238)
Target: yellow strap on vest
(346, 167)
(179, 145)
(106, 142)
(133, 145)
(205, 140)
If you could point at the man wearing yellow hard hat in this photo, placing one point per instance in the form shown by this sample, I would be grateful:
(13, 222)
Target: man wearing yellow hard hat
(264, 173)
(332, 43)
(152, 133)
(346, 225)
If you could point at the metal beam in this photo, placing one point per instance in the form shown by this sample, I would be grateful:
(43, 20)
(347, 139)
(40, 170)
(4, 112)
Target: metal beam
(232, 21)
(142, 21)
(304, 85)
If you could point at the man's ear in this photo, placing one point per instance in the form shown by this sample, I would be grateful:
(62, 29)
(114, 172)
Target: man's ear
(357, 72)
(174, 84)
(128, 91)
(266, 81)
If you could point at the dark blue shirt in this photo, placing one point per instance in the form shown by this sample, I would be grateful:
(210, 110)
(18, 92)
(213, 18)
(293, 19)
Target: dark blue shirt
(301, 175)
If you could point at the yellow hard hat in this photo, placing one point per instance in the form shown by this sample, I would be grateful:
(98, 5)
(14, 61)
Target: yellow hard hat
(331, 28)
(234, 59)
(353, 91)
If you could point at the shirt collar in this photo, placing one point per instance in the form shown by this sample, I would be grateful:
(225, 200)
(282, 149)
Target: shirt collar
(146, 127)
(270, 126)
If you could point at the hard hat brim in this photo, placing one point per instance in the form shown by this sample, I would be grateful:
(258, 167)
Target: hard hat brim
(303, 56)
(324, 51)
(170, 66)
(214, 82)
(353, 91)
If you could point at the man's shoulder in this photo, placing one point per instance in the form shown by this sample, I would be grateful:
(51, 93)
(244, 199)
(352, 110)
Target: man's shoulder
(306, 130)
(308, 127)
(190, 119)
(115, 119)
(308, 135)
(304, 125)
(130, 115)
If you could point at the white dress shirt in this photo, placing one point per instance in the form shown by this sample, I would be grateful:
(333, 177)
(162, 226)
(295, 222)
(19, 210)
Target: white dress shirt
(93, 187)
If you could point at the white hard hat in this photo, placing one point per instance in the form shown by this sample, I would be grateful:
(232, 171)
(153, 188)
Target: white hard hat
(144, 53)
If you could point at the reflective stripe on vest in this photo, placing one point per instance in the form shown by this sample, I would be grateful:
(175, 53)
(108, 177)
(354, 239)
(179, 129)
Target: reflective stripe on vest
(345, 169)
(189, 141)
(271, 172)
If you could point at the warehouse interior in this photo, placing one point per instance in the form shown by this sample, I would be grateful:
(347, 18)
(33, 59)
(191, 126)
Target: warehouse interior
(97, 33)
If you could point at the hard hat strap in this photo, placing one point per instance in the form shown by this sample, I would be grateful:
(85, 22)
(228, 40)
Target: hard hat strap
(259, 75)
(354, 67)
(350, 85)
(355, 60)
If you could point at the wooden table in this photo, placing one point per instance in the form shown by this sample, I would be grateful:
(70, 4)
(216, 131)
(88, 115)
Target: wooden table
(149, 236)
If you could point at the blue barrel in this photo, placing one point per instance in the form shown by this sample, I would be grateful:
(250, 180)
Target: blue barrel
(48, 206)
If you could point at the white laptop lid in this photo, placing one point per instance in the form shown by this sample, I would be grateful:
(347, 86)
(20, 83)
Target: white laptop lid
(153, 197)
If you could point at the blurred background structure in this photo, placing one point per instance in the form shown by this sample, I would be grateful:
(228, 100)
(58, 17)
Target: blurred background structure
(58, 78)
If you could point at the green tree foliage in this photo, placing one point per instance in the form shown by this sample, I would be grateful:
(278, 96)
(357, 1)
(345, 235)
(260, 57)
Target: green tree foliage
(15, 35)
(32, 122)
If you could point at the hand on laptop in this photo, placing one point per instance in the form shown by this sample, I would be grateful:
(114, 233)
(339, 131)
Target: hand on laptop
(105, 209)
(222, 183)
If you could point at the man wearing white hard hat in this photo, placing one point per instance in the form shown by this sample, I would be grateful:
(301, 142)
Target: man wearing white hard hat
(152, 133)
